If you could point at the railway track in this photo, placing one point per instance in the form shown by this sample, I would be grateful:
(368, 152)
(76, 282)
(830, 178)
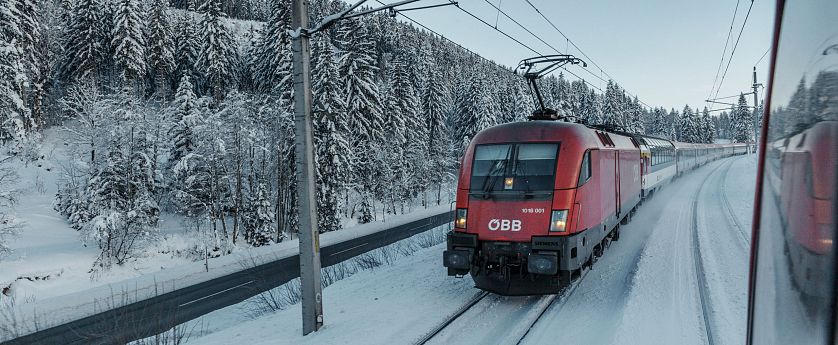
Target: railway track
(701, 276)
(516, 330)
(731, 216)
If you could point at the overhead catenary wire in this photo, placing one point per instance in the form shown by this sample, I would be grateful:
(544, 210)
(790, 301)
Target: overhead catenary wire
(523, 44)
(724, 51)
(733, 51)
(589, 59)
(493, 28)
(399, 12)
(763, 56)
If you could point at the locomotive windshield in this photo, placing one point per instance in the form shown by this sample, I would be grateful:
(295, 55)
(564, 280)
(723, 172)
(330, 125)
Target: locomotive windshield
(513, 167)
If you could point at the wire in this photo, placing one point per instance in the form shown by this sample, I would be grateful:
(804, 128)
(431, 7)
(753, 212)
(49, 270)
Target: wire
(763, 55)
(448, 39)
(734, 47)
(589, 59)
(521, 26)
(526, 46)
(724, 51)
(496, 29)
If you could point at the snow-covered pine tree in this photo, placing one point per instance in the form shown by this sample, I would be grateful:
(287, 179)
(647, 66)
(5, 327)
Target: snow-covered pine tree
(259, 218)
(161, 48)
(363, 106)
(185, 116)
(709, 127)
(688, 126)
(217, 58)
(357, 68)
(187, 47)
(272, 58)
(596, 115)
(31, 47)
(415, 132)
(128, 42)
(330, 130)
(12, 76)
(612, 109)
(439, 161)
(9, 224)
(741, 121)
(124, 212)
(85, 41)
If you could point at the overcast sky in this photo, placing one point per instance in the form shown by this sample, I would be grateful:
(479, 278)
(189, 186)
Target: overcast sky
(664, 51)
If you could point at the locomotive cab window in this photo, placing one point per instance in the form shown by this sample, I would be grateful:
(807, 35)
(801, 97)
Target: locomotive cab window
(514, 167)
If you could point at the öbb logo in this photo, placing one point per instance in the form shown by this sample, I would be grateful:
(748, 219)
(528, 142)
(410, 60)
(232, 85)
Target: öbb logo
(505, 225)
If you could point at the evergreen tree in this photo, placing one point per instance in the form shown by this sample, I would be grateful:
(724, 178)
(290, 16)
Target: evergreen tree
(331, 146)
(85, 40)
(438, 143)
(161, 52)
(612, 109)
(741, 122)
(128, 40)
(272, 65)
(217, 58)
(357, 67)
(185, 118)
(709, 127)
(12, 77)
(186, 52)
(259, 218)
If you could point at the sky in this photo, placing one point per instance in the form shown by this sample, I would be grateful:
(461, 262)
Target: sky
(663, 51)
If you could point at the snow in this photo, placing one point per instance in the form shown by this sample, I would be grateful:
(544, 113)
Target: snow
(391, 304)
(644, 290)
(48, 271)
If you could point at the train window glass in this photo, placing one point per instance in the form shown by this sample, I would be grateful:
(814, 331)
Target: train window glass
(531, 167)
(535, 167)
(585, 170)
(793, 300)
(489, 161)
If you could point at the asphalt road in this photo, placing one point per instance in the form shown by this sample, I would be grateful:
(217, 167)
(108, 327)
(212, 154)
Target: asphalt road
(156, 315)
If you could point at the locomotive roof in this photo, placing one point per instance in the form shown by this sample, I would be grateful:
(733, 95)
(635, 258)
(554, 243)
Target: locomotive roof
(546, 131)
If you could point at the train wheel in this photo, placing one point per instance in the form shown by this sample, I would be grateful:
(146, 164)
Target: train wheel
(616, 235)
(626, 219)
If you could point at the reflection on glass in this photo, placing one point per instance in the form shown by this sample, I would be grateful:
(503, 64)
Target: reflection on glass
(794, 271)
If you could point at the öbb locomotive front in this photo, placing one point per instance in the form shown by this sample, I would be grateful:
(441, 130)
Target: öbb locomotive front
(537, 200)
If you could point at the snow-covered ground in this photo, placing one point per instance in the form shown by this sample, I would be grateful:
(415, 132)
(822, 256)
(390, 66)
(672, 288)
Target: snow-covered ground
(644, 290)
(47, 278)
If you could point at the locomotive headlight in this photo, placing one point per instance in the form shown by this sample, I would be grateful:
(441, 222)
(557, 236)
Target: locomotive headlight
(507, 182)
(558, 221)
(460, 221)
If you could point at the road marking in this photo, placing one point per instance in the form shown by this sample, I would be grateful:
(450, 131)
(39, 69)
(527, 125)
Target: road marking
(217, 293)
(348, 249)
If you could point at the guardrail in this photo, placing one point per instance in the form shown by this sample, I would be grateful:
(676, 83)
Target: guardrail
(162, 312)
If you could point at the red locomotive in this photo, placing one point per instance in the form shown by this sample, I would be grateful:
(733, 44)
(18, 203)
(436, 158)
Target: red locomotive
(538, 200)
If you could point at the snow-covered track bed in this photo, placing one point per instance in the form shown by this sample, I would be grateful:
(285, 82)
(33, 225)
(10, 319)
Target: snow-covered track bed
(722, 248)
(494, 319)
(701, 275)
(742, 232)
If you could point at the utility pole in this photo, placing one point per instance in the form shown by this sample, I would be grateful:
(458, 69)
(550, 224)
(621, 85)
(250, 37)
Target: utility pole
(312, 292)
(756, 104)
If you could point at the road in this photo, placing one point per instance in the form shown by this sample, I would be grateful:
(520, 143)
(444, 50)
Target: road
(155, 315)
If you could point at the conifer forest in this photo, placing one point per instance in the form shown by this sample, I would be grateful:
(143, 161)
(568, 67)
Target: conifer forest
(185, 108)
